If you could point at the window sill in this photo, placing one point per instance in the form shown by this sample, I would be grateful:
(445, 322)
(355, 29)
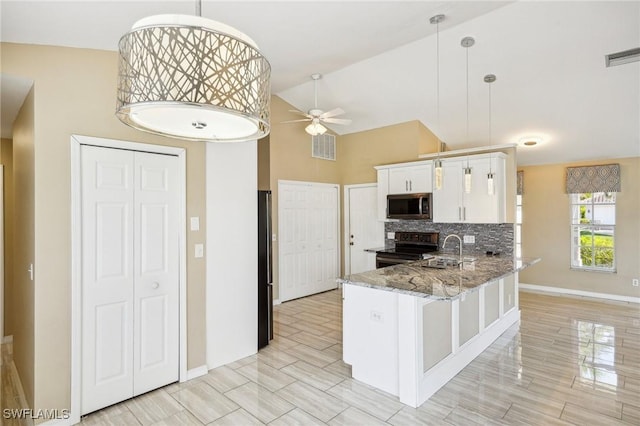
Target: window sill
(601, 271)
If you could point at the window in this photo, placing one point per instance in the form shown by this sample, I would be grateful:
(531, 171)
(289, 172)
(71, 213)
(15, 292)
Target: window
(518, 225)
(593, 222)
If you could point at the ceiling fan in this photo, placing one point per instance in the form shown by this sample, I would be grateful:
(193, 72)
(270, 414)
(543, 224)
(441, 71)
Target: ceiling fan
(317, 116)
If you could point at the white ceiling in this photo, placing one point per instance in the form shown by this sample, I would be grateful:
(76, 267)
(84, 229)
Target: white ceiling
(378, 61)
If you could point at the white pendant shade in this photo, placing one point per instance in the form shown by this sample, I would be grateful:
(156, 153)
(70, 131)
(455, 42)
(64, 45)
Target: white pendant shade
(193, 78)
(467, 180)
(438, 173)
(490, 184)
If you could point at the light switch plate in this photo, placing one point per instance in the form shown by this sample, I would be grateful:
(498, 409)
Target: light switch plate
(199, 250)
(195, 223)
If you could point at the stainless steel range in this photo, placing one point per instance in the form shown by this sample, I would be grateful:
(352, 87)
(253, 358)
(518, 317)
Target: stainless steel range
(409, 246)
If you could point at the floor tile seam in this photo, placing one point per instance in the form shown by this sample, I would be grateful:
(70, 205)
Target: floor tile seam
(600, 413)
(257, 383)
(193, 413)
(361, 409)
(293, 409)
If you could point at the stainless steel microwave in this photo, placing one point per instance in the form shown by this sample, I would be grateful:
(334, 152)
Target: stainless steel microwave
(409, 206)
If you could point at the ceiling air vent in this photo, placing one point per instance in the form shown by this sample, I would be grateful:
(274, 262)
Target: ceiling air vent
(624, 57)
(323, 146)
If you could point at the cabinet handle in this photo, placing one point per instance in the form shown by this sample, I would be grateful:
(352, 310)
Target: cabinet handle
(459, 213)
(464, 213)
(410, 185)
(406, 185)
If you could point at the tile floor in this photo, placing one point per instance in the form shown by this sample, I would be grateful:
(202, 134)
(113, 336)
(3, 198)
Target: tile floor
(571, 361)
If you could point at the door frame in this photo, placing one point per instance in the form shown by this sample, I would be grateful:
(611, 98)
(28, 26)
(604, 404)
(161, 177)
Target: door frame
(338, 209)
(347, 224)
(76, 254)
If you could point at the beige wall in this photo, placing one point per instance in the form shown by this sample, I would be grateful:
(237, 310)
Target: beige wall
(6, 158)
(356, 155)
(22, 311)
(75, 94)
(546, 231)
(360, 152)
(290, 159)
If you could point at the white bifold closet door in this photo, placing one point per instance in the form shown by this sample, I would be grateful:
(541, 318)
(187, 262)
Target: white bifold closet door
(308, 221)
(130, 276)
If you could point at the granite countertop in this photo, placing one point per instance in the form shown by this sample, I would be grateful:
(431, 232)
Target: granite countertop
(417, 280)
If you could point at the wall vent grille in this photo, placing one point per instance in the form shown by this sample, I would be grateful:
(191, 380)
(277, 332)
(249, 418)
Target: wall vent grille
(323, 146)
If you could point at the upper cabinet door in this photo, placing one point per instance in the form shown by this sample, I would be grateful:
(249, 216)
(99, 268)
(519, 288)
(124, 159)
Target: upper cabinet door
(479, 205)
(447, 201)
(410, 179)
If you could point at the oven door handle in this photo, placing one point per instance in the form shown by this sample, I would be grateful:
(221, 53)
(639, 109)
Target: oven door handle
(393, 259)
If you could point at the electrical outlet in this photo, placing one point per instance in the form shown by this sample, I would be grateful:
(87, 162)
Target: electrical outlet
(634, 282)
(199, 250)
(391, 235)
(469, 239)
(376, 316)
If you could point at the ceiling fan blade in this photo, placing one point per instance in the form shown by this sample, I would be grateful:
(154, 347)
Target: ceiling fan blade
(344, 121)
(304, 114)
(332, 113)
(296, 121)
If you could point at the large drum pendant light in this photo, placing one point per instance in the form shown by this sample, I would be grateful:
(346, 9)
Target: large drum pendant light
(192, 78)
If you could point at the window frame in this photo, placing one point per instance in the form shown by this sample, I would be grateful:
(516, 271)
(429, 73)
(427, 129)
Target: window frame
(586, 224)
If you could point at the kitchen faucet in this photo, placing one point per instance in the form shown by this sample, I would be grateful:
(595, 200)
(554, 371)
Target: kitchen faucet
(459, 239)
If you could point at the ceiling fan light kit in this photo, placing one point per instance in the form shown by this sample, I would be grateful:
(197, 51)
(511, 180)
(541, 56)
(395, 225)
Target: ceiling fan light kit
(316, 116)
(192, 78)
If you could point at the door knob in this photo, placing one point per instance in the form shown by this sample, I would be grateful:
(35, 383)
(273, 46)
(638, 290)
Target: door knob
(155, 285)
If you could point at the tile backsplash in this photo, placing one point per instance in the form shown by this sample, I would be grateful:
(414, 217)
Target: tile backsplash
(495, 237)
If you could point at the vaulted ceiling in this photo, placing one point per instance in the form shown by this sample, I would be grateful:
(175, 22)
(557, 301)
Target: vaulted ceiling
(378, 61)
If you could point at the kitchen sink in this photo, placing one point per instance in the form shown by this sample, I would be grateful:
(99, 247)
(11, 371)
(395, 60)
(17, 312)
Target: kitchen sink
(443, 262)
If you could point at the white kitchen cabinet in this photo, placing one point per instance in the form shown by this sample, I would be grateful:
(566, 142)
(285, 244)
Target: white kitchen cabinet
(452, 205)
(404, 178)
(410, 179)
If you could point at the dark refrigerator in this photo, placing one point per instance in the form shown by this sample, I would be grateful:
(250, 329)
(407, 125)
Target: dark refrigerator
(265, 276)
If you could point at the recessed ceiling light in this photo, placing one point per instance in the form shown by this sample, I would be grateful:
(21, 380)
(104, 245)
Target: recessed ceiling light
(530, 141)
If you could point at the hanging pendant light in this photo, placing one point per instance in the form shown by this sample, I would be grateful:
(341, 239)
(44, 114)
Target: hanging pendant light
(438, 172)
(490, 78)
(192, 78)
(467, 42)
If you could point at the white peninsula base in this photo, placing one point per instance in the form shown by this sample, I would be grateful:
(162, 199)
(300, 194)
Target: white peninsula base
(411, 346)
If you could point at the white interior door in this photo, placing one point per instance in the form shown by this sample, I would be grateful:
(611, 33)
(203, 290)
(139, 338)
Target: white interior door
(129, 274)
(363, 229)
(308, 244)
(156, 274)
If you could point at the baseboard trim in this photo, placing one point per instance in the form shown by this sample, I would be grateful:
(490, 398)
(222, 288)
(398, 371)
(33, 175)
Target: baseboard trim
(276, 302)
(567, 291)
(197, 372)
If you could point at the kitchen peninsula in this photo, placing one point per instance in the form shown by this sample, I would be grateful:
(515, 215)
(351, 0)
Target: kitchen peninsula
(410, 328)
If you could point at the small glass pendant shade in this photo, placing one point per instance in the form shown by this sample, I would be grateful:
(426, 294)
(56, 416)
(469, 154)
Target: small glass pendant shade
(467, 180)
(438, 173)
(491, 189)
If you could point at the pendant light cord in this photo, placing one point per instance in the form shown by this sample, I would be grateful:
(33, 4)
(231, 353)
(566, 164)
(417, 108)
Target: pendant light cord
(467, 46)
(199, 8)
(438, 82)
(490, 170)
